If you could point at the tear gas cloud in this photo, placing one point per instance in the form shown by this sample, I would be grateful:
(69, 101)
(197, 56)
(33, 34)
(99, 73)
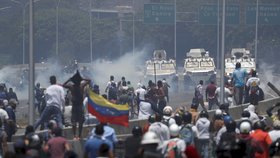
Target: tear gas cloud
(100, 71)
(129, 65)
(267, 75)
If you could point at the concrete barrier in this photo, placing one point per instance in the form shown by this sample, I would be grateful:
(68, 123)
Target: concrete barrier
(123, 132)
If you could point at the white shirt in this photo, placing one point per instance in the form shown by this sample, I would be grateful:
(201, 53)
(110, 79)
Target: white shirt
(141, 93)
(55, 96)
(226, 96)
(145, 110)
(251, 80)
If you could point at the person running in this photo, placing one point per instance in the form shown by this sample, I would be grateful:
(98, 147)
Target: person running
(77, 92)
(55, 100)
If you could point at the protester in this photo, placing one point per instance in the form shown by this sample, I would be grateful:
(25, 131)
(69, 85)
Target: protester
(249, 144)
(166, 86)
(109, 84)
(198, 94)
(140, 93)
(230, 133)
(55, 99)
(160, 96)
(92, 145)
(252, 85)
(227, 95)
(160, 129)
(57, 145)
(145, 108)
(238, 79)
(203, 134)
(167, 118)
(210, 95)
(174, 147)
(262, 137)
(253, 116)
(149, 146)
(77, 93)
(188, 131)
(12, 95)
(109, 133)
(132, 143)
(151, 120)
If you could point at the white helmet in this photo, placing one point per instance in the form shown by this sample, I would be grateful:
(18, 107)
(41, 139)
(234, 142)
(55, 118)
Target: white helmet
(150, 138)
(174, 130)
(245, 127)
(167, 110)
(251, 108)
(218, 112)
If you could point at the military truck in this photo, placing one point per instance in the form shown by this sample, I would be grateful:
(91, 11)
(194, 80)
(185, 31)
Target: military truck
(198, 66)
(239, 55)
(160, 67)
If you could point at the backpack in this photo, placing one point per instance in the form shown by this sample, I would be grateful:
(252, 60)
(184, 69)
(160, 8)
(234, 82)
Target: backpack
(166, 121)
(186, 133)
(254, 87)
(171, 150)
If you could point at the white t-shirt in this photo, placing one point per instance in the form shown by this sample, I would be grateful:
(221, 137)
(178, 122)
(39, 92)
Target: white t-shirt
(141, 93)
(226, 96)
(55, 96)
(253, 81)
(145, 110)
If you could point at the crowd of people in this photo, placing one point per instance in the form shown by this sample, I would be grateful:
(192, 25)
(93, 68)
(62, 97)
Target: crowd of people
(180, 133)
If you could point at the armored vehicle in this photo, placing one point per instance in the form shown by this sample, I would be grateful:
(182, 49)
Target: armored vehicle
(198, 66)
(239, 55)
(160, 67)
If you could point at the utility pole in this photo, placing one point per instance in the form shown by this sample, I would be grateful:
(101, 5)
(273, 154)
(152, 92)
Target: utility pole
(31, 65)
(223, 55)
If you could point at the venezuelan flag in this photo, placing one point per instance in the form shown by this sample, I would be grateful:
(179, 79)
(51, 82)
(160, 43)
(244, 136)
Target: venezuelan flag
(106, 111)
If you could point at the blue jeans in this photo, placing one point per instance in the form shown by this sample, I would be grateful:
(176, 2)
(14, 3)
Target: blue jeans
(203, 147)
(49, 112)
(238, 95)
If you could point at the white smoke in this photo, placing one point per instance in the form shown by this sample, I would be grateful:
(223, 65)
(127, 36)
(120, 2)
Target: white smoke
(267, 75)
(129, 65)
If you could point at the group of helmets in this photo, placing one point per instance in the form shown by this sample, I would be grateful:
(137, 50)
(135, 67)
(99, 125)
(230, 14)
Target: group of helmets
(152, 138)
